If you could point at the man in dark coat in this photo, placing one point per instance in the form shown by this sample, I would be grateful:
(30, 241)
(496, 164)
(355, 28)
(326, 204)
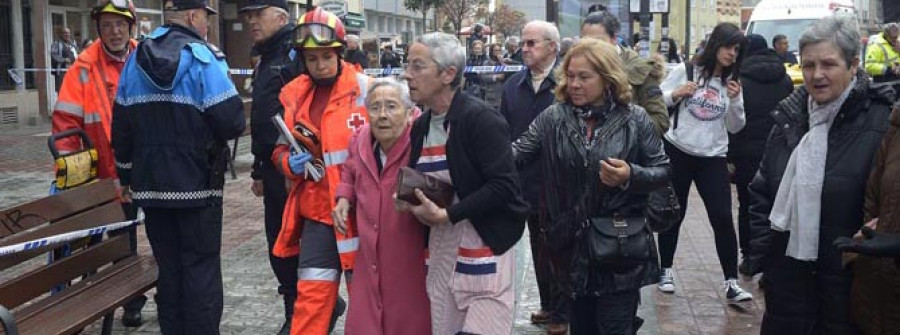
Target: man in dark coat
(526, 94)
(354, 54)
(766, 83)
(271, 29)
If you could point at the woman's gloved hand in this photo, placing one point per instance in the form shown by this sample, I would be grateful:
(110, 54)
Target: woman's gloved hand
(297, 162)
(875, 244)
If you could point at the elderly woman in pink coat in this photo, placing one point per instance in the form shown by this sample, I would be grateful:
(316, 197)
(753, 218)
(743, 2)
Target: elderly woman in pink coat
(388, 286)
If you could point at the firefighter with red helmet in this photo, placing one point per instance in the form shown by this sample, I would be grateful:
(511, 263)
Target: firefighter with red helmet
(86, 99)
(322, 108)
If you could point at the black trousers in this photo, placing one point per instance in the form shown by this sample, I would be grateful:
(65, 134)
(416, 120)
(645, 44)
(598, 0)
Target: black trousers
(607, 314)
(744, 170)
(711, 176)
(553, 293)
(804, 298)
(187, 245)
(274, 198)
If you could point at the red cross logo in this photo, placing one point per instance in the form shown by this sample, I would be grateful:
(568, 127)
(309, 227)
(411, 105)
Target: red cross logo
(356, 121)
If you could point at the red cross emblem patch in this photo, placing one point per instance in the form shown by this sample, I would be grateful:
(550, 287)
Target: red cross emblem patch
(356, 121)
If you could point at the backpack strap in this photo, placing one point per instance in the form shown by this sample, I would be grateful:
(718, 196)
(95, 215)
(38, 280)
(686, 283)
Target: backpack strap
(689, 71)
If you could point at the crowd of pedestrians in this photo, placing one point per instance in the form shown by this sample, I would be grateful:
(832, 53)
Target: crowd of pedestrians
(572, 147)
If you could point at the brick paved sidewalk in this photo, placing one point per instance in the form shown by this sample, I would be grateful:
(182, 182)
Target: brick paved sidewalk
(252, 305)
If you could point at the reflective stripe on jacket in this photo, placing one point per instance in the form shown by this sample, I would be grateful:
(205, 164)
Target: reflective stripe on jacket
(85, 101)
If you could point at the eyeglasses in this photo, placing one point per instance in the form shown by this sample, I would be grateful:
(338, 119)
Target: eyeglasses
(417, 66)
(388, 109)
(532, 43)
(114, 25)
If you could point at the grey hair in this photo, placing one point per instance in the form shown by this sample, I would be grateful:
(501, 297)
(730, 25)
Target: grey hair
(389, 82)
(894, 26)
(842, 32)
(177, 17)
(283, 13)
(512, 40)
(352, 38)
(447, 52)
(548, 31)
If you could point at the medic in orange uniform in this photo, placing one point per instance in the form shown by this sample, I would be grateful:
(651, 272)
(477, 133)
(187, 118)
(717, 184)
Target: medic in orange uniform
(322, 108)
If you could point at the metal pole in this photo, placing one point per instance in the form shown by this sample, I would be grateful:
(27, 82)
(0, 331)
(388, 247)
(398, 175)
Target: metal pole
(645, 28)
(687, 30)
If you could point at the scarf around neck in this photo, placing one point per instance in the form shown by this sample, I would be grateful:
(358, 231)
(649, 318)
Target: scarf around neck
(798, 203)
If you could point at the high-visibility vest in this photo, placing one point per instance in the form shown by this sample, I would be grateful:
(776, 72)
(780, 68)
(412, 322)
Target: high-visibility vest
(85, 101)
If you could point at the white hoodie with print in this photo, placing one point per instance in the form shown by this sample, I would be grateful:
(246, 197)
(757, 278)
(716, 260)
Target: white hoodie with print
(704, 119)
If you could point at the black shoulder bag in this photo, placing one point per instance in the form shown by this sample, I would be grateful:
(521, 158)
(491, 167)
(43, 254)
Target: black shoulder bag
(618, 240)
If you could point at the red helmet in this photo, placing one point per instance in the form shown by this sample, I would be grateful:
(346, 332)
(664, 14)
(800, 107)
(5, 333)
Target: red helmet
(319, 28)
(119, 7)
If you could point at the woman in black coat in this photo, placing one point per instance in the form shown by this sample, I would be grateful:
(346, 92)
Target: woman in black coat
(589, 175)
(811, 184)
(766, 83)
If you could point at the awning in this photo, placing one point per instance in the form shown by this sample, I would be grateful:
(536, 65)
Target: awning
(354, 21)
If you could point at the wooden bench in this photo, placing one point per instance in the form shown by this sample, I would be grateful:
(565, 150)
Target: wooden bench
(104, 276)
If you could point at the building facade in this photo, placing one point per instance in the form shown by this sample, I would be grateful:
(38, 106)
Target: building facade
(389, 21)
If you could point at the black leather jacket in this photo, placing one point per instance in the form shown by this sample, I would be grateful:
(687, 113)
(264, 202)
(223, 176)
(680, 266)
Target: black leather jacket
(276, 68)
(571, 171)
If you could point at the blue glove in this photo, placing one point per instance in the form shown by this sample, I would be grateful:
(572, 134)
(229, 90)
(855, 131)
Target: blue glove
(297, 161)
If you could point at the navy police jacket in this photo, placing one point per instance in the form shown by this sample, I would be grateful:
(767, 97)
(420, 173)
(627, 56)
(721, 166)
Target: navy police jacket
(174, 111)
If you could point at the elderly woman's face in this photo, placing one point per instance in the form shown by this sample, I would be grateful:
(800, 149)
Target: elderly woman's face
(387, 114)
(825, 72)
(584, 84)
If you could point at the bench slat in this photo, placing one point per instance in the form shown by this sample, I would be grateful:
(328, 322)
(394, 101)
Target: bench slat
(106, 214)
(35, 283)
(52, 208)
(88, 300)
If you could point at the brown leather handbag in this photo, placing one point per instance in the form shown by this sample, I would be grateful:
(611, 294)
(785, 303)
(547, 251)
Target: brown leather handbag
(409, 179)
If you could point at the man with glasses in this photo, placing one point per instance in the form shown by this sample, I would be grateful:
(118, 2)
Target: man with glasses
(323, 107)
(86, 99)
(175, 110)
(526, 94)
(271, 29)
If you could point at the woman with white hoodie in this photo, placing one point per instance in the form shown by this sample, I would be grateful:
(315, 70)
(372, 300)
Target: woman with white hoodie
(706, 105)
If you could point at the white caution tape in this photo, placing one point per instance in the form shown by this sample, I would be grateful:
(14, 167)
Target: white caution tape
(16, 74)
(469, 69)
(70, 236)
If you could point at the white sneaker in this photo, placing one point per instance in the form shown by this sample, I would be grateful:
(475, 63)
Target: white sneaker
(735, 293)
(666, 281)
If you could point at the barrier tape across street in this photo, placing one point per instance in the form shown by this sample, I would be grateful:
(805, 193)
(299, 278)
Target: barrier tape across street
(70, 236)
(15, 74)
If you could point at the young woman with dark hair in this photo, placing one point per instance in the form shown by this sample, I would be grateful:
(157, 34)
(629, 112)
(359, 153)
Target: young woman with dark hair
(707, 106)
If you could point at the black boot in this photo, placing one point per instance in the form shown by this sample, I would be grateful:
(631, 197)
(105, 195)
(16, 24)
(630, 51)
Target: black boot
(339, 308)
(131, 316)
(288, 313)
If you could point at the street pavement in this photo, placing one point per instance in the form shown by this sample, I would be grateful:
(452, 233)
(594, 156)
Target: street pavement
(252, 304)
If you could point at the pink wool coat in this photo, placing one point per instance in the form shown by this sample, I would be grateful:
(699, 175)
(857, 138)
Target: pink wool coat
(388, 288)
